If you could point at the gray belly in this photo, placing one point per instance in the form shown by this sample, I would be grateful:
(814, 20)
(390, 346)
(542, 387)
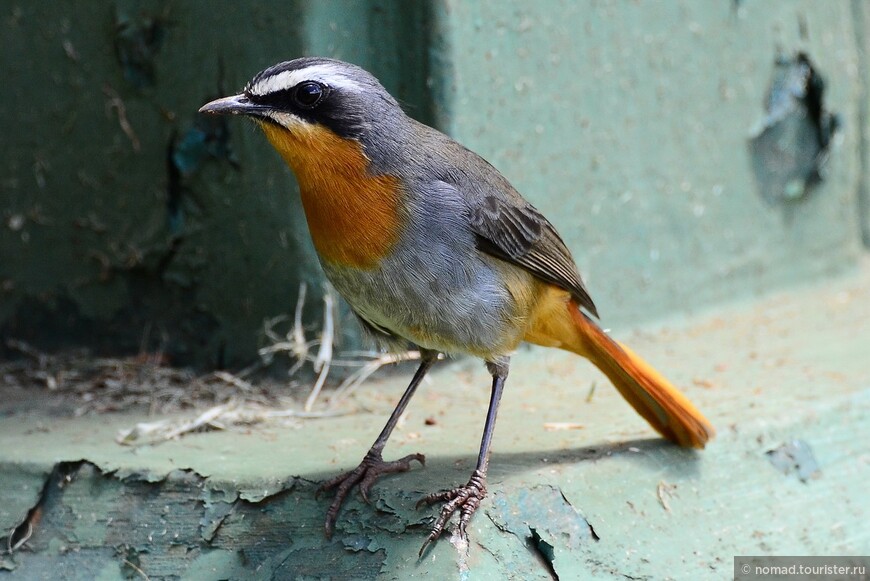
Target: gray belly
(448, 298)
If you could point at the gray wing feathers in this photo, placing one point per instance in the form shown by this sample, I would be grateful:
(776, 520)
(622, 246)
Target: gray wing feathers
(515, 231)
(505, 225)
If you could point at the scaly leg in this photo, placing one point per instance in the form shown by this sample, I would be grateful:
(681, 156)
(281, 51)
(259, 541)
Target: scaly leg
(373, 466)
(467, 498)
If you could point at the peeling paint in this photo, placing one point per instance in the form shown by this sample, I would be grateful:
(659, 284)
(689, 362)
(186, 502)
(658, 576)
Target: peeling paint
(136, 522)
(793, 142)
(795, 456)
(213, 518)
(546, 523)
(259, 491)
(544, 549)
(544, 508)
(22, 487)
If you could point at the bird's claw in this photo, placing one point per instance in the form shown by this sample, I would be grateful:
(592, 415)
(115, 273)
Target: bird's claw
(365, 475)
(466, 499)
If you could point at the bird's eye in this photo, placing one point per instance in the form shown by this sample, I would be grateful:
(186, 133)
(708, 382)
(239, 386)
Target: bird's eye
(308, 94)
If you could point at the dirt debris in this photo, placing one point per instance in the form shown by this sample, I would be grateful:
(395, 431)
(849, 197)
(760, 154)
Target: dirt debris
(101, 384)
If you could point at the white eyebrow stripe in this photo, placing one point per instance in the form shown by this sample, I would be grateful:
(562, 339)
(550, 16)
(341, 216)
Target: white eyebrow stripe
(328, 74)
(287, 119)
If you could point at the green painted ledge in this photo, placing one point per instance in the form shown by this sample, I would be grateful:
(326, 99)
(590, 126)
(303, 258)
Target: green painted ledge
(605, 501)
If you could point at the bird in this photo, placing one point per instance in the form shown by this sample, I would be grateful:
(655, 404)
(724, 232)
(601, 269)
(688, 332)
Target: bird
(433, 248)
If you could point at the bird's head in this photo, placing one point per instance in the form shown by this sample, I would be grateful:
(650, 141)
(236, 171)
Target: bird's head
(307, 104)
(341, 133)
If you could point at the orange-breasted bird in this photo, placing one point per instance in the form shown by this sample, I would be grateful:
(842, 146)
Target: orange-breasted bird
(432, 247)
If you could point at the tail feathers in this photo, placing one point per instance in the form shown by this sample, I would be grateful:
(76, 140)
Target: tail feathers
(649, 393)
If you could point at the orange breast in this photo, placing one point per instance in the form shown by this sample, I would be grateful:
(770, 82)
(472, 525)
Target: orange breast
(353, 217)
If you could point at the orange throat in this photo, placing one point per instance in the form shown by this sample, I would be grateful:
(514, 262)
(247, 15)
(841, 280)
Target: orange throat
(353, 216)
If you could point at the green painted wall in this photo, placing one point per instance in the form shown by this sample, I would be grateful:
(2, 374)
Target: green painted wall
(101, 244)
(861, 23)
(626, 123)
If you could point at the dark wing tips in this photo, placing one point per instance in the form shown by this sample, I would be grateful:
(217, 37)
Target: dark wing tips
(523, 236)
(581, 295)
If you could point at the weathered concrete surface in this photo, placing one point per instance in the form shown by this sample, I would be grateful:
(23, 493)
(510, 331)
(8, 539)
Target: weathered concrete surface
(785, 380)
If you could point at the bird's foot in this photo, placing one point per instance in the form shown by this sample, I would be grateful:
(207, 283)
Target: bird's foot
(369, 470)
(465, 499)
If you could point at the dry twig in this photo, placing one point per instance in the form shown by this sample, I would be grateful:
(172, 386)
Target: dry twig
(110, 384)
(219, 417)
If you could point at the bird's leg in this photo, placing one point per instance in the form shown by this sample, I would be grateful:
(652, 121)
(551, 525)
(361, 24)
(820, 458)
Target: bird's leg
(467, 498)
(373, 466)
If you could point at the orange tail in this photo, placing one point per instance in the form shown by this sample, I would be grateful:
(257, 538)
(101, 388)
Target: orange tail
(649, 393)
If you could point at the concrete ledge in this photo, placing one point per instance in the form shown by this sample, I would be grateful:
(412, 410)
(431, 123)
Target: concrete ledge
(785, 380)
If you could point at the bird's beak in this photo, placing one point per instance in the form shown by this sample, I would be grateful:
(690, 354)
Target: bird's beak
(235, 105)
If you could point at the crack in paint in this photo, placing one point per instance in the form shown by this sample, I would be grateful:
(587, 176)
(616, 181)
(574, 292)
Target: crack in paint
(544, 521)
(24, 530)
(544, 550)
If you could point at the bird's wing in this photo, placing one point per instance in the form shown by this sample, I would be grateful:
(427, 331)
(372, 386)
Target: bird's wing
(513, 230)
